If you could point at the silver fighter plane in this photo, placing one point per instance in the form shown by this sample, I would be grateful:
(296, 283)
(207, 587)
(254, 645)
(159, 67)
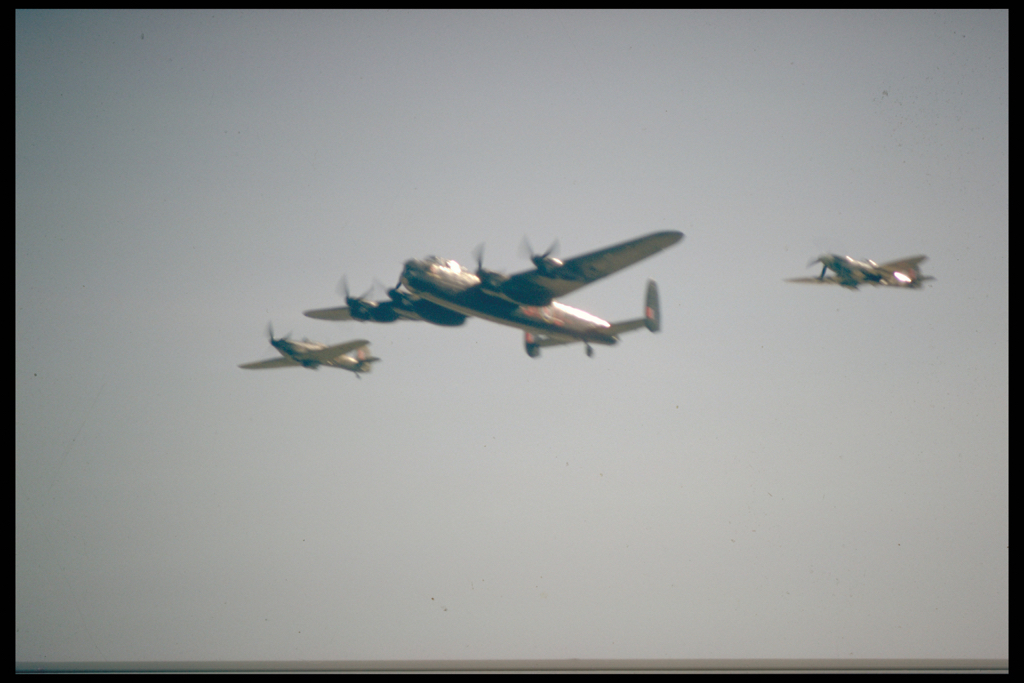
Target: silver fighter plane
(312, 355)
(851, 273)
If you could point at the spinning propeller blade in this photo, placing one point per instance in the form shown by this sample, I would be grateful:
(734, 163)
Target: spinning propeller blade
(479, 254)
(824, 266)
(270, 333)
(349, 299)
(525, 249)
(545, 262)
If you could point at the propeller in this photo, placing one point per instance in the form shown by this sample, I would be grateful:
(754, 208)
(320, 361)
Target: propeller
(359, 306)
(378, 285)
(824, 267)
(479, 254)
(490, 279)
(349, 299)
(546, 262)
(270, 333)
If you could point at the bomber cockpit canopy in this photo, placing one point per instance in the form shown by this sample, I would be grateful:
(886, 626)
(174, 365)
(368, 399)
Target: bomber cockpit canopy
(443, 263)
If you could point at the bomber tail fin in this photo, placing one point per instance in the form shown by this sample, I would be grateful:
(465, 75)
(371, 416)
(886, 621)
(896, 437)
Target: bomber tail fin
(652, 309)
(652, 314)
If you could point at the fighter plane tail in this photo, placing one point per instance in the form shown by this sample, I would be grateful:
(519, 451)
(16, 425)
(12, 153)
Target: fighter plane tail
(365, 360)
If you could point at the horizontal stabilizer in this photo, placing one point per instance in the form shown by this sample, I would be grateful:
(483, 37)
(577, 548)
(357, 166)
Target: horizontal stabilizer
(627, 326)
(652, 314)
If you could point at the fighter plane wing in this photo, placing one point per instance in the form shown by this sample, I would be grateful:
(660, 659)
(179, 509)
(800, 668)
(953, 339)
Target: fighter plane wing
(331, 352)
(339, 313)
(272, 363)
(829, 280)
(538, 287)
(904, 264)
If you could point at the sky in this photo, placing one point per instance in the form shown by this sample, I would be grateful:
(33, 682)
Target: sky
(785, 470)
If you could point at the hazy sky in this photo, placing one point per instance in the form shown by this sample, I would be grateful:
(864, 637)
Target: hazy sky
(785, 471)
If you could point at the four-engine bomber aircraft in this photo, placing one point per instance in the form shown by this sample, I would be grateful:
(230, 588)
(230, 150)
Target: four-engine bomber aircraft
(312, 355)
(850, 272)
(445, 293)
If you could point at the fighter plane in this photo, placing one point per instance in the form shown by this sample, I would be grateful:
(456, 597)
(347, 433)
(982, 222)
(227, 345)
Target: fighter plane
(850, 272)
(524, 300)
(312, 355)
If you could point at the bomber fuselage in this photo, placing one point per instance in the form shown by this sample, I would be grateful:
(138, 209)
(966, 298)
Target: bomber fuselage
(447, 284)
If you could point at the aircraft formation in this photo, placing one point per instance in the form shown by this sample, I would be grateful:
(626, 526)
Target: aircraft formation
(442, 292)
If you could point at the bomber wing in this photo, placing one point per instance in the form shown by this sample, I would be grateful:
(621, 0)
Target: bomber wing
(329, 353)
(538, 287)
(339, 313)
(282, 362)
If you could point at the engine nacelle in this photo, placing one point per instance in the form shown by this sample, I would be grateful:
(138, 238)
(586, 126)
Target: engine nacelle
(360, 309)
(547, 265)
(491, 282)
(438, 315)
(383, 313)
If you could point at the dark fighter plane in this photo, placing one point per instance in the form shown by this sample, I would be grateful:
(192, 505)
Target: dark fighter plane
(850, 272)
(445, 293)
(312, 355)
